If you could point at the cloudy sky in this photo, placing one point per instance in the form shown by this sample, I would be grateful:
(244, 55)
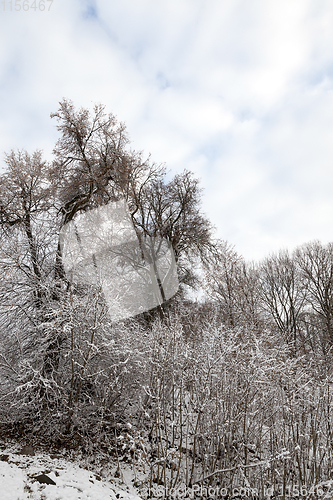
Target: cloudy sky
(238, 91)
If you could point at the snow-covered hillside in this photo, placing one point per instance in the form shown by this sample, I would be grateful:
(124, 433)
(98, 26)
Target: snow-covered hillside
(18, 481)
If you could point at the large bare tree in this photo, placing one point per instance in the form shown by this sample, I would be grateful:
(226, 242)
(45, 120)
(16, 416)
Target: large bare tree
(94, 165)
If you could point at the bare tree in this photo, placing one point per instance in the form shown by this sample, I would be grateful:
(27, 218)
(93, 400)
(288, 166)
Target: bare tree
(27, 216)
(316, 266)
(29, 233)
(282, 294)
(94, 165)
(173, 211)
(233, 284)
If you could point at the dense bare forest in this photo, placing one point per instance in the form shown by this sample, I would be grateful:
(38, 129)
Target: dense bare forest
(232, 391)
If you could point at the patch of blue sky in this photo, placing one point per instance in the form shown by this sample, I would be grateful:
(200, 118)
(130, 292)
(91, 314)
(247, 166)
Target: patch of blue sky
(90, 10)
(137, 50)
(321, 78)
(162, 81)
(283, 181)
(219, 145)
(246, 115)
(10, 75)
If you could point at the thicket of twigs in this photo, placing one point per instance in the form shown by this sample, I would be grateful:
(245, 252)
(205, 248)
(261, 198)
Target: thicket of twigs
(227, 407)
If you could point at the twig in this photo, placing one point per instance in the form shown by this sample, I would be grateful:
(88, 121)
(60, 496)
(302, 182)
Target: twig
(264, 462)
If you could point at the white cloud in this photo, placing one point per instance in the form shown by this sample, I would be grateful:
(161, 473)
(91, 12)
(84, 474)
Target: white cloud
(238, 91)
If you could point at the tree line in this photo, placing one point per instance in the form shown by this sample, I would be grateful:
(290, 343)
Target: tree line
(291, 293)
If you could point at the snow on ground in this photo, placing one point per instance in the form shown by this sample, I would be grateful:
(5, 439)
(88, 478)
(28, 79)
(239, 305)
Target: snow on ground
(73, 482)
